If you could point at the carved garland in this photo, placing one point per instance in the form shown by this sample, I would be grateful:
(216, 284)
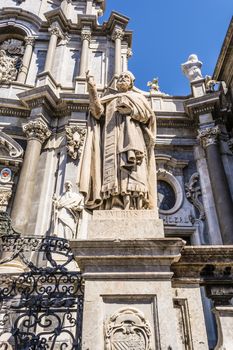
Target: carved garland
(128, 329)
(75, 140)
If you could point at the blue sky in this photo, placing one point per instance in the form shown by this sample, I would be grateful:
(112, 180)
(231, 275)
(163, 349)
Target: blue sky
(167, 32)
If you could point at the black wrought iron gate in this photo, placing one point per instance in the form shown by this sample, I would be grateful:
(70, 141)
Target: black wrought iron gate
(42, 307)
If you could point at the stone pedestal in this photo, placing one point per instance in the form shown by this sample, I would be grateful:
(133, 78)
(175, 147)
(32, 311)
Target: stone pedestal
(224, 319)
(128, 282)
(125, 224)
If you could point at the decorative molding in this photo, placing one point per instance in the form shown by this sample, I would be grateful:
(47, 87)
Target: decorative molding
(193, 192)
(75, 140)
(184, 322)
(36, 129)
(128, 329)
(5, 195)
(209, 136)
(6, 228)
(118, 33)
(8, 71)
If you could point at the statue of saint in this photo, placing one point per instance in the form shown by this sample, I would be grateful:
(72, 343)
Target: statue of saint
(67, 212)
(117, 170)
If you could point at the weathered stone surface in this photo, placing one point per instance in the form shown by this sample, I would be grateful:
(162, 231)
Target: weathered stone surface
(125, 224)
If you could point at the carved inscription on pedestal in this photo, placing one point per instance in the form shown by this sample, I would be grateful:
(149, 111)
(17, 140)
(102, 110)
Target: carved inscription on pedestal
(127, 329)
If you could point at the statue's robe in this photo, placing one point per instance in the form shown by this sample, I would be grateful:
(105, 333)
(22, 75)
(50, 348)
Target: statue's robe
(118, 157)
(70, 204)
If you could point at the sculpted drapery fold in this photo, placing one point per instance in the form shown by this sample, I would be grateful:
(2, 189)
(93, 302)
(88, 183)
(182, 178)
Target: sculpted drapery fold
(118, 167)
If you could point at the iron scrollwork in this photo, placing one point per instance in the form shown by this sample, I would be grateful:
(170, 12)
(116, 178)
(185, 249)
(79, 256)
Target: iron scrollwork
(42, 307)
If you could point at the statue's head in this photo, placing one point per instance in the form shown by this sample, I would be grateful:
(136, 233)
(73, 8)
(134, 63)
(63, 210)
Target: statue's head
(125, 81)
(68, 186)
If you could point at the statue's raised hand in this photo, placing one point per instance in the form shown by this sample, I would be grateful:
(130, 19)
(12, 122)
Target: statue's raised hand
(90, 80)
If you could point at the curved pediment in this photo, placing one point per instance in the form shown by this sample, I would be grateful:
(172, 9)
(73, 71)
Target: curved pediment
(9, 148)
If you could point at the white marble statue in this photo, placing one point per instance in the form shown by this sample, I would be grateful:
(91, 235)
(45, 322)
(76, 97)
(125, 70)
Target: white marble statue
(67, 212)
(118, 167)
(8, 72)
(192, 68)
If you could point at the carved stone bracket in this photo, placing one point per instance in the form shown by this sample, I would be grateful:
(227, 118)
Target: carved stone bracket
(128, 329)
(193, 192)
(86, 34)
(209, 136)
(36, 129)
(75, 140)
(118, 33)
(13, 149)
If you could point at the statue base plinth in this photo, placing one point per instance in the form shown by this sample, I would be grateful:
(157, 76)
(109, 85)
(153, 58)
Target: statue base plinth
(125, 224)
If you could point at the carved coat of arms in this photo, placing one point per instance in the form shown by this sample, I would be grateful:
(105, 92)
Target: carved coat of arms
(127, 330)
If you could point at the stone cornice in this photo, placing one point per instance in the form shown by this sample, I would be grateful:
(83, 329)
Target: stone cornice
(204, 264)
(58, 16)
(225, 55)
(99, 258)
(202, 105)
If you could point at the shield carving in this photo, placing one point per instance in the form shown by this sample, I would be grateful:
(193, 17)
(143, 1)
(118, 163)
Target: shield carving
(127, 330)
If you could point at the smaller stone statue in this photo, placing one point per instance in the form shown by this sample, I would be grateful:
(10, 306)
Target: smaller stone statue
(154, 86)
(192, 68)
(67, 212)
(8, 71)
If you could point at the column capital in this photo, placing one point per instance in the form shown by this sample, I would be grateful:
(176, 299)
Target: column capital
(209, 136)
(29, 40)
(118, 33)
(36, 130)
(86, 34)
(55, 30)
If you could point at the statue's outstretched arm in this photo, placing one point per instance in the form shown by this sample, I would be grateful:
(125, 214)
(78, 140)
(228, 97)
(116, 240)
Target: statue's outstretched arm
(96, 107)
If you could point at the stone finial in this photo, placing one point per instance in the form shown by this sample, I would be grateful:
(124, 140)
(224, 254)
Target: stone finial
(192, 68)
(209, 136)
(129, 52)
(36, 129)
(154, 85)
(118, 33)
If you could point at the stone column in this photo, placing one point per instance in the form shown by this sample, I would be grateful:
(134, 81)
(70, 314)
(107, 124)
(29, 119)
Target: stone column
(224, 207)
(29, 43)
(55, 34)
(86, 38)
(37, 132)
(117, 36)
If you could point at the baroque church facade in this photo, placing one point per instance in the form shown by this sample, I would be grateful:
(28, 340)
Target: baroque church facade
(108, 267)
